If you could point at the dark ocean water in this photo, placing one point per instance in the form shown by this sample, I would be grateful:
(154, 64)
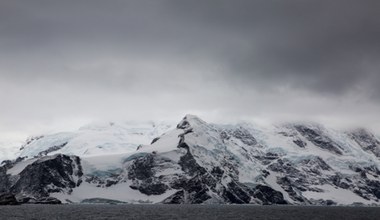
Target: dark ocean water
(164, 212)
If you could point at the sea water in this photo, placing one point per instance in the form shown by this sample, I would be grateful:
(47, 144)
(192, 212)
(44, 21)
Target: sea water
(193, 212)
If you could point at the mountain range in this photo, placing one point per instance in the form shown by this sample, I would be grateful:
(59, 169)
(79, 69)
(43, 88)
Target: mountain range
(196, 162)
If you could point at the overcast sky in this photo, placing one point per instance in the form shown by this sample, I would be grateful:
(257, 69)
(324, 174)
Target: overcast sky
(66, 63)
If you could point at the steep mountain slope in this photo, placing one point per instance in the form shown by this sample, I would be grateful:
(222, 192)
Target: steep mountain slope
(197, 162)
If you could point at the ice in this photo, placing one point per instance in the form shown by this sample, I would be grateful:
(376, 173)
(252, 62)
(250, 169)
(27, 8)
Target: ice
(106, 162)
(97, 139)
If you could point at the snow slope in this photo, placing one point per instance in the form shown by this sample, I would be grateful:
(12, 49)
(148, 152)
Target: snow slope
(95, 139)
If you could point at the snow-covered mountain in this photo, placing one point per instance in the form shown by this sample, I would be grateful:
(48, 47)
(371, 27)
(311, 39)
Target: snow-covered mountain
(198, 162)
(95, 139)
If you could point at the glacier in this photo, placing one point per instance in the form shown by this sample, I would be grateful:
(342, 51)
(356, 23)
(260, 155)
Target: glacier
(95, 139)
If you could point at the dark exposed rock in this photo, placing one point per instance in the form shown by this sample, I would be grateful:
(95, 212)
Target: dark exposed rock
(142, 168)
(4, 180)
(318, 163)
(188, 131)
(104, 178)
(197, 187)
(143, 176)
(300, 143)
(367, 141)
(285, 166)
(267, 158)
(239, 133)
(197, 190)
(8, 199)
(289, 133)
(154, 140)
(237, 193)
(287, 185)
(184, 124)
(244, 136)
(217, 172)
(314, 165)
(189, 164)
(194, 190)
(8, 164)
(268, 195)
(51, 149)
(30, 140)
(361, 192)
(152, 188)
(49, 174)
(203, 183)
(224, 135)
(338, 181)
(329, 202)
(317, 137)
(265, 173)
(271, 156)
(176, 198)
(373, 187)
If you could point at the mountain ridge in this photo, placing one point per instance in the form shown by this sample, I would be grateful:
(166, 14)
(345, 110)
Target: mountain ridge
(198, 162)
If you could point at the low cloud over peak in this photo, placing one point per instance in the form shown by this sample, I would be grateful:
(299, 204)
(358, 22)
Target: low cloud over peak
(272, 60)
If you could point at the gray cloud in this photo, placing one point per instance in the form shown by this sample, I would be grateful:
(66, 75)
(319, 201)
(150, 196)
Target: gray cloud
(237, 59)
(329, 46)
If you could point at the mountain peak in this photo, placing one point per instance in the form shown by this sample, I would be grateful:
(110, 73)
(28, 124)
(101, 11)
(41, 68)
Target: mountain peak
(190, 121)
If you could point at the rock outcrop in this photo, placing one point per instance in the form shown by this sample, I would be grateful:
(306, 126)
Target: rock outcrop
(50, 174)
(8, 199)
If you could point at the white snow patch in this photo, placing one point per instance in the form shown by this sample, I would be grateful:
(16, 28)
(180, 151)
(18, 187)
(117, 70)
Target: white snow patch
(271, 180)
(120, 192)
(371, 177)
(167, 142)
(20, 166)
(339, 195)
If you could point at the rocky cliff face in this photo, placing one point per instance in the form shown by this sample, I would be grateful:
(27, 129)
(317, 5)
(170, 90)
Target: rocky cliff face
(59, 173)
(199, 162)
(8, 199)
(4, 179)
(39, 178)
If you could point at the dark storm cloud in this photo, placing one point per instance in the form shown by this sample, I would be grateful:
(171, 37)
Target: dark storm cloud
(242, 57)
(105, 44)
(330, 46)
